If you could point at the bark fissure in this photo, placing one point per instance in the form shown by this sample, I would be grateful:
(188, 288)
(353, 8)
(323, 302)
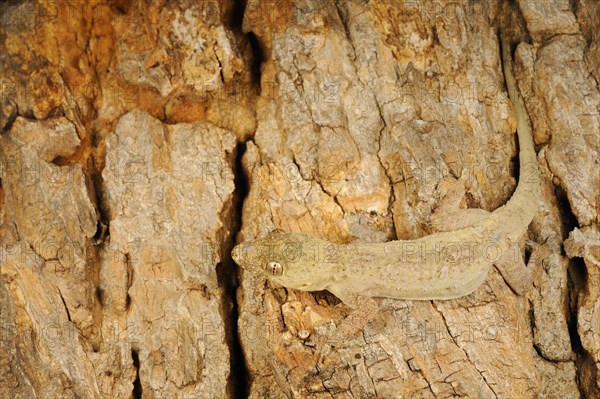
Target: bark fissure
(130, 272)
(577, 282)
(576, 285)
(137, 385)
(65, 305)
(239, 376)
(98, 189)
(238, 382)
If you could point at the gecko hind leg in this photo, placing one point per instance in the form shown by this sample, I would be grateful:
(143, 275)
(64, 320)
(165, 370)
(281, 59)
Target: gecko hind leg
(449, 216)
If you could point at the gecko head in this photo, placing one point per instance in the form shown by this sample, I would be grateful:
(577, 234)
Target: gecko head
(288, 259)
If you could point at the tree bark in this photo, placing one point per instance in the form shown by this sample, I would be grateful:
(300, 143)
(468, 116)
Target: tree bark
(140, 141)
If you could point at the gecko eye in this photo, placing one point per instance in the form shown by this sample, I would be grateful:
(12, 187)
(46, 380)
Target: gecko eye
(274, 268)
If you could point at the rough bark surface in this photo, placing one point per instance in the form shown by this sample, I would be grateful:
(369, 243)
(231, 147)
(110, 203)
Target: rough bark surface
(140, 140)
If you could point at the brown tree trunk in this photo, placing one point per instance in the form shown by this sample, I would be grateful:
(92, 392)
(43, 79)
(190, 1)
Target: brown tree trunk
(141, 140)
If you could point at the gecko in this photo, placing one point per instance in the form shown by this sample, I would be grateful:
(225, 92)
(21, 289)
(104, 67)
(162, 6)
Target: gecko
(439, 266)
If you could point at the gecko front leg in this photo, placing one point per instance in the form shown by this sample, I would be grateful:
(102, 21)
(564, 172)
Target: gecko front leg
(364, 308)
(449, 216)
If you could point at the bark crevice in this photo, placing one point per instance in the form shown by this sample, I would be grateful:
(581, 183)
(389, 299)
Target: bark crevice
(137, 385)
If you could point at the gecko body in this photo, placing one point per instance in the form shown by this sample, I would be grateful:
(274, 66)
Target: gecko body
(443, 265)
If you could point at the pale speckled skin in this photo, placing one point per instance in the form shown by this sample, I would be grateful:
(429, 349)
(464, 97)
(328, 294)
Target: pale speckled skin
(443, 265)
